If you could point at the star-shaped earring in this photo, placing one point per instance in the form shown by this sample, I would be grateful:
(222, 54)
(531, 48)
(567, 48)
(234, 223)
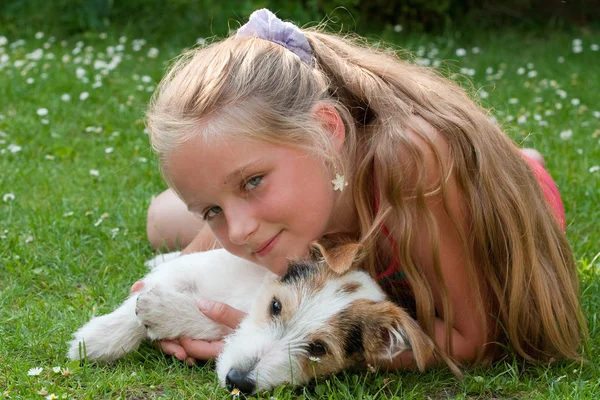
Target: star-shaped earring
(339, 182)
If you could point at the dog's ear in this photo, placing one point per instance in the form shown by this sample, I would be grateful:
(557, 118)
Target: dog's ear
(391, 331)
(339, 256)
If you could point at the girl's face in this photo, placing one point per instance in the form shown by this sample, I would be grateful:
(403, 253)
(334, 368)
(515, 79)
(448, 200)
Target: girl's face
(263, 202)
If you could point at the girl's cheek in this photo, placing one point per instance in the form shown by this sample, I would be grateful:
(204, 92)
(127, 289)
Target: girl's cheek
(220, 231)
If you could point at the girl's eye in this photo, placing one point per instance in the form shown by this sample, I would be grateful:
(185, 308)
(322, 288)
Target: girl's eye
(253, 182)
(211, 212)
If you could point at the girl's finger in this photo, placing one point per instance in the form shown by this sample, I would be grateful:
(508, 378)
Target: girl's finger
(221, 313)
(173, 348)
(136, 287)
(201, 349)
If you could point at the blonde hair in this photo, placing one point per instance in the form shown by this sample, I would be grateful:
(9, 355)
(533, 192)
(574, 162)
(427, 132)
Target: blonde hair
(258, 90)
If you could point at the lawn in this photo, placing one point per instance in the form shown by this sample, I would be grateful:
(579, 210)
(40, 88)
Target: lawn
(77, 175)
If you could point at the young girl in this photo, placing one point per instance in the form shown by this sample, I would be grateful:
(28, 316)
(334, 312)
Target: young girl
(277, 136)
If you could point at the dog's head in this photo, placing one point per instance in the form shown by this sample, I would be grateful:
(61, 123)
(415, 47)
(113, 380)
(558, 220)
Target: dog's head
(321, 317)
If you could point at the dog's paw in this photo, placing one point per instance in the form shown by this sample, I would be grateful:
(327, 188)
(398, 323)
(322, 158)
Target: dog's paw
(164, 312)
(149, 307)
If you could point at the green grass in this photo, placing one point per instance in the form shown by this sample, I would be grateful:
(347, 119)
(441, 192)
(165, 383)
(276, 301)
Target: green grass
(72, 243)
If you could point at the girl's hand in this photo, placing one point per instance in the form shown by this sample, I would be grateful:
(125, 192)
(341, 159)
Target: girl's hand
(190, 350)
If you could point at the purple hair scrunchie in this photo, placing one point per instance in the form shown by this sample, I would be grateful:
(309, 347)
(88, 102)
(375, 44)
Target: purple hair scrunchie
(264, 24)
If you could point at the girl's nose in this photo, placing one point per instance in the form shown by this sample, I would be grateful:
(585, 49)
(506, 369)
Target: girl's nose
(241, 226)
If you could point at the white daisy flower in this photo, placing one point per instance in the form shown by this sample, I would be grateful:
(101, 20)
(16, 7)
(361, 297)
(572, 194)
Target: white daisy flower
(35, 371)
(14, 148)
(80, 72)
(8, 197)
(42, 112)
(566, 134)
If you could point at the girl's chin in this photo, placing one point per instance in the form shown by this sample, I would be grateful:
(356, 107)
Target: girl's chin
(278, 267)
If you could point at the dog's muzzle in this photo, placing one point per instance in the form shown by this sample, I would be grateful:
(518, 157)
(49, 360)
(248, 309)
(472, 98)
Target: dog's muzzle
(240, 380)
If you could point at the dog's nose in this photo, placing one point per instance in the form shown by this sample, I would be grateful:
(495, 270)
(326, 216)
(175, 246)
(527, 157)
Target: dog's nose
(240, 381)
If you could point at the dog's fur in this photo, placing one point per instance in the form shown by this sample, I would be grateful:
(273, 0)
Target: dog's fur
(319, 318)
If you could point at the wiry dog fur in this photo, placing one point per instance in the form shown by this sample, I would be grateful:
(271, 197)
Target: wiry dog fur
(319, 318)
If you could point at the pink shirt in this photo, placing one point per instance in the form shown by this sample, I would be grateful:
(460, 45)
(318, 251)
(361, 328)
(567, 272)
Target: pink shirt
(550, 193)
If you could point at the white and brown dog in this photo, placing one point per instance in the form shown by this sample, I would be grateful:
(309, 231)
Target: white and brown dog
(321, 317)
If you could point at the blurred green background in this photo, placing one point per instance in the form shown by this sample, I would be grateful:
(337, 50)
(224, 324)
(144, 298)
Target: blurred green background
(193, 18)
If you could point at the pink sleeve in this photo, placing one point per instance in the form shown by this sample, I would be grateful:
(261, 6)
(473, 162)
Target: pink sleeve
(550, 190)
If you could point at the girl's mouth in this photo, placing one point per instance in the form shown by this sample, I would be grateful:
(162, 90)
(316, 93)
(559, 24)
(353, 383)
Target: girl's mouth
(268, 247)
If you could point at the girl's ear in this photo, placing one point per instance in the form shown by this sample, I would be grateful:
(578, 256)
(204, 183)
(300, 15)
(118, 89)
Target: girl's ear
(330, 119)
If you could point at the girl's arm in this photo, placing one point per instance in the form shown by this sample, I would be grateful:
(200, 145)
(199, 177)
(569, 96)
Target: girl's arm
(464, 351)
(468, 334)
(204, 240)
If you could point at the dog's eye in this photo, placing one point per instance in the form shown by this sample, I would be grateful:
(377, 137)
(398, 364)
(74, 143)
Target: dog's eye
(275, 307)
(317, 348)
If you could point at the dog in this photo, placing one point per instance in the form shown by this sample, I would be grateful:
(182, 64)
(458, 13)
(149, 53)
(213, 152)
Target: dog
(321, 317)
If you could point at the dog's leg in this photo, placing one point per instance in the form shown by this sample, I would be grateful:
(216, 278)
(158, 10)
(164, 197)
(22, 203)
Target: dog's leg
(109, 337)
(169, 314)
